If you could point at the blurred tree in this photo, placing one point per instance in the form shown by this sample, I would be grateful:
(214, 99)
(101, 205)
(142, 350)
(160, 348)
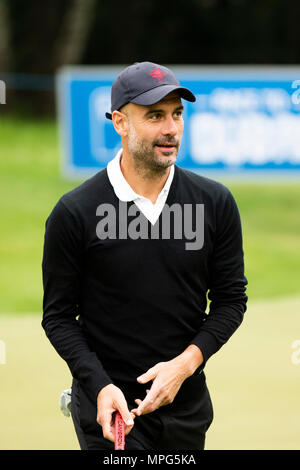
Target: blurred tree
(47, 34)
(71, 41)
(5, 47)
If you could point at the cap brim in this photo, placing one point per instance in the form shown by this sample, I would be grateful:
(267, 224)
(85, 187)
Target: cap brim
(156, 94)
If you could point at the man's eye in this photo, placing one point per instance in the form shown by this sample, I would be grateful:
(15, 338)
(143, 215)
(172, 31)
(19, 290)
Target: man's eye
(178, 113)
(155, 116)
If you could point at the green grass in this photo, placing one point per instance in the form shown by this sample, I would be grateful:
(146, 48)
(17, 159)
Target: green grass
(31, 382)
(271, 227)
(31, 184)
(253, 384)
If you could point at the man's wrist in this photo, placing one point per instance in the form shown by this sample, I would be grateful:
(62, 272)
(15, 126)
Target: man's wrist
(105, 387)
(190, 359)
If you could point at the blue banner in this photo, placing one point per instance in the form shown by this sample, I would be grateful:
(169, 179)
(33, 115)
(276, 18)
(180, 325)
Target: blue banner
(244, 119)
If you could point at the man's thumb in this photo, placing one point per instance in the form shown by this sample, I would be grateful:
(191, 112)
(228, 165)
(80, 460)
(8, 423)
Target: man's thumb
(126, 415)
(149, 375)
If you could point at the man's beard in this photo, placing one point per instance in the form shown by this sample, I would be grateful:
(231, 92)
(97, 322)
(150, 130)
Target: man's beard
(145, 159)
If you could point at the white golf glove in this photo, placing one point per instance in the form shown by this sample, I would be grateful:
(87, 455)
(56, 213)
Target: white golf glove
(65, 401)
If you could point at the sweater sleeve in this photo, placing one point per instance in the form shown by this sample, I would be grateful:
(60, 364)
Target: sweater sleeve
(62, 270)
(227, 283)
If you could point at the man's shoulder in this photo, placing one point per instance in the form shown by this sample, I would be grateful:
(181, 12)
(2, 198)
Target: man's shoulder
(199, 183)
(92, 190)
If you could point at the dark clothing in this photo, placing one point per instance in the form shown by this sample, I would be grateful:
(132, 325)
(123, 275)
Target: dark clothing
(115, 306)
(180, 425)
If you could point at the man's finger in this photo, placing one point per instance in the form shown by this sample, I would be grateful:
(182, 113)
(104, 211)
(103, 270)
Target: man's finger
(138, 401)
(129, 427)
(150, 403)
(147, 376)
(106, 425)
(125, 413)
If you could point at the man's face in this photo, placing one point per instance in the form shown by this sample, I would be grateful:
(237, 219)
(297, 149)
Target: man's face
(155, 132)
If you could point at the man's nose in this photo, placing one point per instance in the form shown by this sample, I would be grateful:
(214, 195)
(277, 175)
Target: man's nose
(169, 126)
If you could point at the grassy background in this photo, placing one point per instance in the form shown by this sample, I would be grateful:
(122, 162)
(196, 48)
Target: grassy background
(254, 385)
(31, 184)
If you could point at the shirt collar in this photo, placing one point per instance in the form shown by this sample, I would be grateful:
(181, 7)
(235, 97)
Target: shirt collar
(122, 189)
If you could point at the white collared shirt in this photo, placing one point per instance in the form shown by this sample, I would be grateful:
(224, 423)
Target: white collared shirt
(125, 192)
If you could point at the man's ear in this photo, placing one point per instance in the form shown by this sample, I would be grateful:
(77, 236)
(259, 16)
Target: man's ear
(120, 122)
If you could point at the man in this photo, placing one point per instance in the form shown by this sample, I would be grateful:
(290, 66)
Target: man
(129, 259)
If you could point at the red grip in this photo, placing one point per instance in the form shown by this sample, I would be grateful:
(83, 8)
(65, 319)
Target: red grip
(119, 432)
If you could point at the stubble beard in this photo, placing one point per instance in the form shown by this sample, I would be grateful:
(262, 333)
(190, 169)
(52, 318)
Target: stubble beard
(146, 162)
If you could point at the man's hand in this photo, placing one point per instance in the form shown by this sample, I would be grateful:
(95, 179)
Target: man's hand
(167, 378)
(109, 400)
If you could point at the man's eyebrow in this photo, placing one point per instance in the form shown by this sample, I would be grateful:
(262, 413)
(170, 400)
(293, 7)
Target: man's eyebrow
(156, 110)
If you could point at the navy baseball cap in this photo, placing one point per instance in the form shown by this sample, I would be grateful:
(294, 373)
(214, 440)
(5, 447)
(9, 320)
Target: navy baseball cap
(145, 83)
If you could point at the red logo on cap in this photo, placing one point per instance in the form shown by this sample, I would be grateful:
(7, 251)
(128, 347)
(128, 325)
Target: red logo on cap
(158, 74)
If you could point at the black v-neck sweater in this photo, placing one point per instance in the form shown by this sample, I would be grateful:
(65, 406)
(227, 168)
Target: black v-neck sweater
(114, 307)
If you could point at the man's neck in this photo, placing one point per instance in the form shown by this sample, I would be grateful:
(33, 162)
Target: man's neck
(143, 181)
